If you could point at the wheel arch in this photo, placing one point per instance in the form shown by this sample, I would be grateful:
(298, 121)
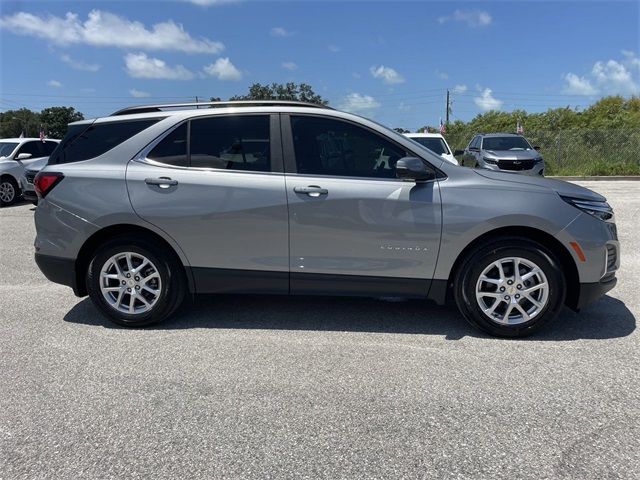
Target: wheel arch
(96, 239)
(545, 239)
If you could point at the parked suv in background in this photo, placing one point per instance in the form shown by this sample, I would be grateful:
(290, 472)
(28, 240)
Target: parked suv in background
(434, 142)
(151, 203)
(16, 154)
(508, 152)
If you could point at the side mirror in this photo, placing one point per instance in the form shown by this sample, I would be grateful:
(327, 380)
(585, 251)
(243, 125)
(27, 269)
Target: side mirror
(412, 168)
(458, 152)
(537, 149)
(23, 156)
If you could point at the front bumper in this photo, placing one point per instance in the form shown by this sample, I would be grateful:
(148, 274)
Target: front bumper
(58, 270)
(592, 291)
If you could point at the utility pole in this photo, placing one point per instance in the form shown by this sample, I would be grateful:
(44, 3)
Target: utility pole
(448, 110)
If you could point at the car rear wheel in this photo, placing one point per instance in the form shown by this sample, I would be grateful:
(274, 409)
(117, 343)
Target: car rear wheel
(135, 283)
(510, 287)
(9, 191)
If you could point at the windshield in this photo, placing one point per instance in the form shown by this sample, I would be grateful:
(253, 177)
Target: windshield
(505, 143)
(435, 144)
(6, 148)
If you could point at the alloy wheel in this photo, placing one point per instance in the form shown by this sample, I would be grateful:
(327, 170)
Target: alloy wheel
(7, 192)
(512, 290)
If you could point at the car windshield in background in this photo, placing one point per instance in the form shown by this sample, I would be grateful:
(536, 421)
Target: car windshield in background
(6, 148)
(505, 143)
(435, 144)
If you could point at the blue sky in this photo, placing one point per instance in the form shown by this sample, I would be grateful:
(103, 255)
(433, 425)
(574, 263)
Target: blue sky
(389, 60)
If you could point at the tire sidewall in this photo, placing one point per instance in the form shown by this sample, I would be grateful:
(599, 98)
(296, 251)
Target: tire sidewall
(168, 275)
(466, 290)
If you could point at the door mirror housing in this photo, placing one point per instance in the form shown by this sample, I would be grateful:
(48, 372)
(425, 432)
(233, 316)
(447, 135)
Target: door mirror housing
(413, 168)
(23, 156)
(458, 152)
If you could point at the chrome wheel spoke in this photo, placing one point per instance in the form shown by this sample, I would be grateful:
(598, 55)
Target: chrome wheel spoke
(117, 282)
(508, 300)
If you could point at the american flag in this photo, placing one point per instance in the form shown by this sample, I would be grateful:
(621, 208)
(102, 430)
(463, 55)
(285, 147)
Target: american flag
(519, 128)
(442, 128)
(42, 134)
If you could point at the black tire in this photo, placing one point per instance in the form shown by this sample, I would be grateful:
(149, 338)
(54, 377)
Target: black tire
(472, 267)
(171, 272)
(9, 182)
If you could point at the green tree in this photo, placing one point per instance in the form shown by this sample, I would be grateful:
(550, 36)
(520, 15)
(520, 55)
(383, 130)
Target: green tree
(55, 120)
(282, 91)
(15, 122)
(402, 130)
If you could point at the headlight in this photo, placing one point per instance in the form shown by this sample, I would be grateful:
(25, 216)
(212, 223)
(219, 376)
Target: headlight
(601, 210)
(492, 161)
(538, 160)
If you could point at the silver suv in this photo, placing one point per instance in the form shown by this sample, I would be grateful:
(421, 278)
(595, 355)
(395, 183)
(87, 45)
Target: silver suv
(150, 204)
(509, 152)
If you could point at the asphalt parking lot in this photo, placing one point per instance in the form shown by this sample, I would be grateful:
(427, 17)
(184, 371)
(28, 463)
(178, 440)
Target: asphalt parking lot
(276, 387)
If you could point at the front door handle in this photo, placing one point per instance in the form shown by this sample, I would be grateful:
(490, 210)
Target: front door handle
(311, 190)
(162, 182)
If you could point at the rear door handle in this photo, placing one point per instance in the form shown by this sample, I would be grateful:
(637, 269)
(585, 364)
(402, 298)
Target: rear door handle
(162, 182)
(311, 190)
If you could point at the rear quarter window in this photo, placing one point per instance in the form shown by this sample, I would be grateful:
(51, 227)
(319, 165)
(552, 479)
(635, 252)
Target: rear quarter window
(86, 141)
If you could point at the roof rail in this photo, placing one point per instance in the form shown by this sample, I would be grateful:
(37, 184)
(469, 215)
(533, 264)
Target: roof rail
(194, 105)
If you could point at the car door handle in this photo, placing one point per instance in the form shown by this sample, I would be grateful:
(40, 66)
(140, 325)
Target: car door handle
(162, 182)
(311, 190)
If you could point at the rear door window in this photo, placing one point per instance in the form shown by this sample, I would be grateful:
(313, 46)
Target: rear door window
(86, 141)
(172, 149)
(239, 142)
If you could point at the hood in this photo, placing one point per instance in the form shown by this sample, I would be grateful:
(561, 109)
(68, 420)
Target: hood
(561, 187)
(513, 154)
(38, 164)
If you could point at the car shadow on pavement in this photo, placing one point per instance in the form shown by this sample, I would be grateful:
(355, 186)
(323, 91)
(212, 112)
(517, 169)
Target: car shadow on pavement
(606, 318)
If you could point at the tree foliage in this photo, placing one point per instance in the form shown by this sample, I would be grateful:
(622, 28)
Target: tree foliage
(302, 92)
(15, 122)
(54, 120)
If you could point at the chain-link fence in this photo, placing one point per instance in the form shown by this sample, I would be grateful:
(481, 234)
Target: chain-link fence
(580, 151)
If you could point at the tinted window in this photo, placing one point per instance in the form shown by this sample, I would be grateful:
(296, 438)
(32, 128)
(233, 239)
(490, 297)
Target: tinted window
(434, 144)
(34, 148)
(172, 150)
(475, 142)
(83, 142)
(231, 143)
(6, 148)
(49, 147)
(331, 147)
(505, 143)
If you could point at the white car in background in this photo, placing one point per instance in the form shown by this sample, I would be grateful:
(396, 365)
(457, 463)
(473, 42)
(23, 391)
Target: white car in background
(434, 142)
(16, 154)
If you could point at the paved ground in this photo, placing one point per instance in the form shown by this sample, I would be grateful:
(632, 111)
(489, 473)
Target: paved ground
(308, 387)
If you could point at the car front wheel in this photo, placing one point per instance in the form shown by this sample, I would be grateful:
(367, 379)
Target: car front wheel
(134, 283)
(510, 287)
(9, 191)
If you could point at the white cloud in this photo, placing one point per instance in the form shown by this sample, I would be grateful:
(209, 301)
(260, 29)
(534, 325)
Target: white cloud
(404, 107)
(576, 85)
(459, 89)
(614, 78)
(442, 75)
(79, 65)
(334, 48)
(139, 65)
(355, 102)
(486, 101)
(387, 74)
(223, 69)
(610, 77)
(54, 83)
(289, 65)
(105, 29)
(138, 93)
(280, 32)
(473, 18)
